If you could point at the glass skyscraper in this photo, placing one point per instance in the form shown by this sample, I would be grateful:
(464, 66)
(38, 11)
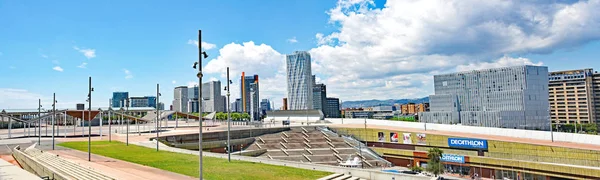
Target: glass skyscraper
(299, 81)
(119, 98)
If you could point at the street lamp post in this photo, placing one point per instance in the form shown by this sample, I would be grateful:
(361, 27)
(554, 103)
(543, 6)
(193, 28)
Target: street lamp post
(53, 116)
(39, 121)
(90, 121)
(157, 112)
(128, 121)
(199, 75)
(228, 119)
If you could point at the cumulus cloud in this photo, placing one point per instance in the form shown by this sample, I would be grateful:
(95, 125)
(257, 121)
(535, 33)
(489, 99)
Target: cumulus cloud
(292, 40)
(58, 68)
(88, 53)
(393, 52)
(18, 98)
(83, 65)
(252, 59)
(502, 62)
(174, 82)
(128, 74)
(205, 45)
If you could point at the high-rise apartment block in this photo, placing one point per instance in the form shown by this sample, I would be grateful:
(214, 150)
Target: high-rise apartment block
(299, 81)
(332, 108)
(118, 99)
(249, 91)
(510, 97)
(571, 96)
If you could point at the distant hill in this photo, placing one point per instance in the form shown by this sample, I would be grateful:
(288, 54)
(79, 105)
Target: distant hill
(374, 102)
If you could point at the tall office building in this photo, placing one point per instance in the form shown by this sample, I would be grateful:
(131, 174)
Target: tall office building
(265, 105)
(285, 104)
(236, 106)
(299, 80)
(193, 105)
(510, 97)
(571, 96)
(332, 108)
(319, 97)
(118, 99)
(146, 101)
(249, 90)
(180, 99)
(211, 96)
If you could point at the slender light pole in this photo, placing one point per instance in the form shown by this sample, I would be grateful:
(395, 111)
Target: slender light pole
(53, 116)
(90, 121)
(228, 120)
(157, 112)
(128, 121)
(109, 120)
(199, 75)
(39, 121)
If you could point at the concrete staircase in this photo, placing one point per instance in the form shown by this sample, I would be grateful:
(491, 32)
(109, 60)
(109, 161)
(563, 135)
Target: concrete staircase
(309, 144)
(66, 168)
(339, 177)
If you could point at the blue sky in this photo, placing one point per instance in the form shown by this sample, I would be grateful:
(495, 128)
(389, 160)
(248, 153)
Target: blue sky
(361, 49)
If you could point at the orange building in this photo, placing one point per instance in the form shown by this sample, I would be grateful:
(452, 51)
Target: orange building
(412, 108)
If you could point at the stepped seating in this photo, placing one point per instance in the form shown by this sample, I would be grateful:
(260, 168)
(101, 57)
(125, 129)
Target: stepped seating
(309, 145)
(75, 171)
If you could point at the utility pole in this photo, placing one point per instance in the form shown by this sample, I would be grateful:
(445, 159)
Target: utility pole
(109, 120)
(228, 119)
(128, 121)
(199, 75)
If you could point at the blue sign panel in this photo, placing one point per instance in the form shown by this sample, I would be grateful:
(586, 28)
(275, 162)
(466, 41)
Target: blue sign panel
(453, 158)
(467, 143)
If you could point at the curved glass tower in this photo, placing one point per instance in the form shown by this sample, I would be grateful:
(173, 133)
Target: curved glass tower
(299, 81)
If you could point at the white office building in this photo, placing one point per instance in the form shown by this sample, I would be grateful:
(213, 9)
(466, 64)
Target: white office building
(509, 97)
(299, 81)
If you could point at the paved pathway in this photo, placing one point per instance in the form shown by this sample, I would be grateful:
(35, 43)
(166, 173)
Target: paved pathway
(116, 168)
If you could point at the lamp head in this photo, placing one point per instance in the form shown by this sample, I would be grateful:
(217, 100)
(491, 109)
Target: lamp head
(195, 64)
(205, 55)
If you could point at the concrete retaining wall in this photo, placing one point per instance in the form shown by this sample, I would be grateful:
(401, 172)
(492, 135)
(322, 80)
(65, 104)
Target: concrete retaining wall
(517, 133)
(34, 166)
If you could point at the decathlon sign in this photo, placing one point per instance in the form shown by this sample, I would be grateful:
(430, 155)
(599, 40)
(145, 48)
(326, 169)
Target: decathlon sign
(467, 143)
(453, 158)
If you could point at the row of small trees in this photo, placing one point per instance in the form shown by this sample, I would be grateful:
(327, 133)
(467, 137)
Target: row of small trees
(435, 165)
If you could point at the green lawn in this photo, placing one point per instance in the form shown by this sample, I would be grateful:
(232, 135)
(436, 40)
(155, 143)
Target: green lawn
(214, 168)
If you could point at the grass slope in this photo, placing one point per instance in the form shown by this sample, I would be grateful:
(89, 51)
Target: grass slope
(214, 168)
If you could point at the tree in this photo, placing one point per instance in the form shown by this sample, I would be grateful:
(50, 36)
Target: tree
(236, 116)
(435, 166)
(245, 116)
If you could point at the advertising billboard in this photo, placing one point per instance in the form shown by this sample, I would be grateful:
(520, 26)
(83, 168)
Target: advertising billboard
(453, 158)
(393, 137)
(421, 139)
(381, 137)
(467, 143)
(406, 138)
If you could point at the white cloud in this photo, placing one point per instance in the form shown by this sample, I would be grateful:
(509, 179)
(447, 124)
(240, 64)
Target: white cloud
(58, 68)
(18, 98)
(88, 53)
(83, 65)
(174, 82)
(192, 83)
(502, 62)
(128, 74)
(252, 59)
(44, 56)
(292, 40)
(205, 45)
(393, 52)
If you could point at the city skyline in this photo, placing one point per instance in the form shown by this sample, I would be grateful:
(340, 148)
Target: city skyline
(73, 47)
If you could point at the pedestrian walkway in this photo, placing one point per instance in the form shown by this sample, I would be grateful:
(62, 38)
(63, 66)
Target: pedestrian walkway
(10, 171)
